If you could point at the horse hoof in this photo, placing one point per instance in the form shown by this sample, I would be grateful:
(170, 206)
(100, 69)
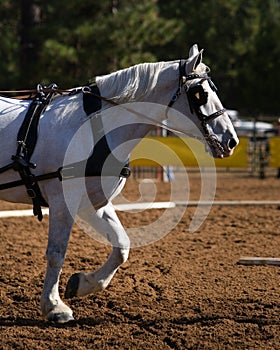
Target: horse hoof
(61, 317)
(72, 286)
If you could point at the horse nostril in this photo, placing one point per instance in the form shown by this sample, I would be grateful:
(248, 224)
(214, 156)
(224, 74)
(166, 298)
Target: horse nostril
(232, 143)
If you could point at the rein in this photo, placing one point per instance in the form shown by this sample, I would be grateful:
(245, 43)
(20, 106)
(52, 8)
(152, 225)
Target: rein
(87, 90)
(183, 79)
(191, 92)
(35, 91)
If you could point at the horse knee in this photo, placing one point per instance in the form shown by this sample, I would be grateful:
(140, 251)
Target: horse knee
(124, 254)
(121, 255)
(55, 258)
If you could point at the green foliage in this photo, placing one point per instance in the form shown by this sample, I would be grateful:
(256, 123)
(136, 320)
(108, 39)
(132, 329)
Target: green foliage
(68, 42)
(9, 44)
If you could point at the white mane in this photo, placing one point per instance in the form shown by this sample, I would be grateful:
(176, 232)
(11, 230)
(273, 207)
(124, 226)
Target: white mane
(131, 83)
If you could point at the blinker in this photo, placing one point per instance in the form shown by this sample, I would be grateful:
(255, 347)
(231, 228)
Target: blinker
(197, 95)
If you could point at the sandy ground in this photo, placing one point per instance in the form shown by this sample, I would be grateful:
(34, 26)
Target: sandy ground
(184, 291)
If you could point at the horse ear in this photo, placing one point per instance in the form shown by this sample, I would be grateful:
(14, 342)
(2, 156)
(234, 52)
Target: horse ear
(195, 60)
(193, 50)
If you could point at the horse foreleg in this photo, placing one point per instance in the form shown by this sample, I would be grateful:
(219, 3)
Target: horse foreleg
(104, 220)
(60, 225)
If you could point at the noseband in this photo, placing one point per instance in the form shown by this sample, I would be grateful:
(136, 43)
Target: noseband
(197, 97)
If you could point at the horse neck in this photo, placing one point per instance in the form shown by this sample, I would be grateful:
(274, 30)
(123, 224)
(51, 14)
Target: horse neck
(151, 83)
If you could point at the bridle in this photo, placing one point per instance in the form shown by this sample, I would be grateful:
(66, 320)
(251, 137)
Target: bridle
(197, 97)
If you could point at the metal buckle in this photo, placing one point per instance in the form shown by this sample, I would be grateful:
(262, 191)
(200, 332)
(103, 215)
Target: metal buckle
(63, 173)
(31, 193)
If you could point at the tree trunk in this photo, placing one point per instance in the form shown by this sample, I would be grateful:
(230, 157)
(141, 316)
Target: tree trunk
(30, 17)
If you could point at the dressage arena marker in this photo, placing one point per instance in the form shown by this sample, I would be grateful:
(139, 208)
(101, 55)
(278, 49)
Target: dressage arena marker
(258, 261)
(148, 205)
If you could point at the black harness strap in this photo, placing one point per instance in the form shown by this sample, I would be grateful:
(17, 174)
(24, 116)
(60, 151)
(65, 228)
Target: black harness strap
(27, 139)
(101, 151)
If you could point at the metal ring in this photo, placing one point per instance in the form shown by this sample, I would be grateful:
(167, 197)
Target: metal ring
(86, 89)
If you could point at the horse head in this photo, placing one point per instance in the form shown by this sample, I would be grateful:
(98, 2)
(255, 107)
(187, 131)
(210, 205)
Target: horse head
(203, 106)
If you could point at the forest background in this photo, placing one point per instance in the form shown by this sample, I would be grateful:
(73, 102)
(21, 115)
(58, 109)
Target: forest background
(70, 41)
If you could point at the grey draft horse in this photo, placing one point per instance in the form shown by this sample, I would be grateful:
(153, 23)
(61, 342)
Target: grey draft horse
(180, 85)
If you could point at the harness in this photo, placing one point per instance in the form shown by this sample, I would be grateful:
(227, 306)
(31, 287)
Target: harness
(27, 135)
(27, 139)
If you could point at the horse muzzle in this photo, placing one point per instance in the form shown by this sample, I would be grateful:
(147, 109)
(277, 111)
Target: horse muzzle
(221, 149)
(231, 144)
